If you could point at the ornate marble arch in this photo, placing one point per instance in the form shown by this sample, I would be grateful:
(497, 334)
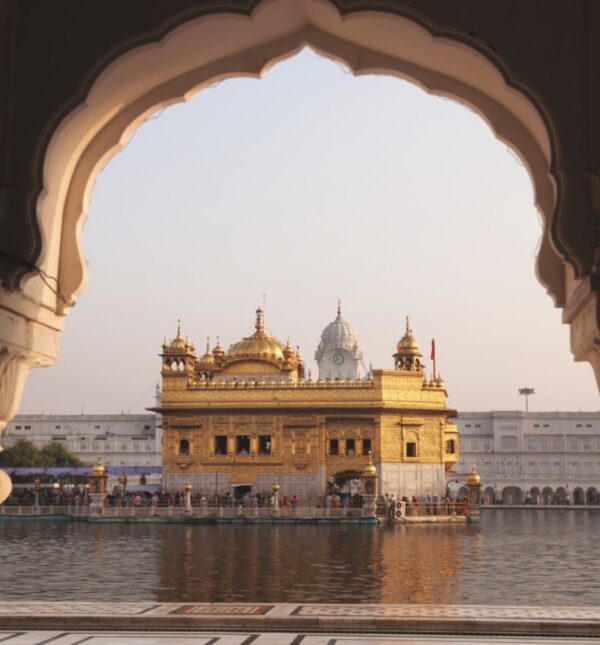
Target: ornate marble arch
(193, 52)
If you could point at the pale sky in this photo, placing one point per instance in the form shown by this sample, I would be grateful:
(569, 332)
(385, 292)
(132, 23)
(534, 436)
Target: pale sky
(308, 186)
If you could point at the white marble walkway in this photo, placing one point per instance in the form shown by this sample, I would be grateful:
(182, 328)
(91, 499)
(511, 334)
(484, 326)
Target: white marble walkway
(70, 623)
(271, 638)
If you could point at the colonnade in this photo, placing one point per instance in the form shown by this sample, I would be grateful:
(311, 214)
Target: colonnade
(542, 495)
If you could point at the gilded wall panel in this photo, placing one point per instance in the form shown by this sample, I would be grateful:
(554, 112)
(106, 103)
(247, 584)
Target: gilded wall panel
(300, 419)
(430, 443)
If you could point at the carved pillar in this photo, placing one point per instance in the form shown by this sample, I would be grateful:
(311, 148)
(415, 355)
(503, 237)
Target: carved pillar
(25, 342)
(14, 367)
(582, 314)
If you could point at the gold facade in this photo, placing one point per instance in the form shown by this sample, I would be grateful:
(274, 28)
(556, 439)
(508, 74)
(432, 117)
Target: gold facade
(249, 417)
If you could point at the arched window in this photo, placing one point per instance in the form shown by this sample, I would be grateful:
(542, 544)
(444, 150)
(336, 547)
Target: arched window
(184, 447)
(450, 447)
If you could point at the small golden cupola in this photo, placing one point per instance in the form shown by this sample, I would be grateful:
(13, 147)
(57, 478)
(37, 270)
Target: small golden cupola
(408, 356)
(208, 359)
(178, 355)
(178, 343)
(218, 352)
(288, 352)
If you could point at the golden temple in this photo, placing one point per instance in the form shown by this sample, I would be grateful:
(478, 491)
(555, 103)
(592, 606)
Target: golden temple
(240, 420)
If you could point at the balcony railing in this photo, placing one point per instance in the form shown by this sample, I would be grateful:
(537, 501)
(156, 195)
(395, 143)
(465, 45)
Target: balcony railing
(164, 511)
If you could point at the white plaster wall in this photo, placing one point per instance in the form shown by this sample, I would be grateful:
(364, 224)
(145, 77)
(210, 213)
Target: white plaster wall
(308, 486)
(412, 479)
(205, 483)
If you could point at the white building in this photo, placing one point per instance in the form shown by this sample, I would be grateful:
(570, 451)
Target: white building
(552, 455)
(118, 439)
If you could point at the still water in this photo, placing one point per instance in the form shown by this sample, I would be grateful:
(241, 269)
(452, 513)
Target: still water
(512, 558)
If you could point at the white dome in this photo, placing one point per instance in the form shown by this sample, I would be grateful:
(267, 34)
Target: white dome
(338, 334)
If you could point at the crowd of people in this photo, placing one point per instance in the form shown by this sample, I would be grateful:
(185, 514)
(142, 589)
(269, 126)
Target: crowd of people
(48, 496)
(337, 497)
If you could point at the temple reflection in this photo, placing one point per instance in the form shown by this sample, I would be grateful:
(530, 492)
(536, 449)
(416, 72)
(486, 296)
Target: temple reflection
(325, 564)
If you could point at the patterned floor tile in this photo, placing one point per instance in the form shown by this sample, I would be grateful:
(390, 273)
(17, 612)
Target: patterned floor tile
(73, 608)
(223, 610)
(148, 639)
(449, 611)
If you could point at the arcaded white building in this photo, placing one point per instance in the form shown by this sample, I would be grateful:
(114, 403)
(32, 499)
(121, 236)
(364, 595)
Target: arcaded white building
(552, 455)
(118, 439)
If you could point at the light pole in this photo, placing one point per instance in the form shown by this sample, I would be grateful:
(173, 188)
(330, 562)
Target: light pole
(526, 392)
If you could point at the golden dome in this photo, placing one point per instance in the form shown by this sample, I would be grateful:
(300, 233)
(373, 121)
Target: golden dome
(370, 470)
(473, 479)
(218, 351)
(178, 342)
(259, 344)
(262, 346)
(99, 468)
(407, 344)
(208, 358)
(288, 352)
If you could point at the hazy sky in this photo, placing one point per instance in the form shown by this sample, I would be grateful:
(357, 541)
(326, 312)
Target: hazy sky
(308, 186)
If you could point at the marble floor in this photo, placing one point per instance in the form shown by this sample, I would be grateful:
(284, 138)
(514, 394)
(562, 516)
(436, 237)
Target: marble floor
(270, 638)
(148, 623)
(345, 612)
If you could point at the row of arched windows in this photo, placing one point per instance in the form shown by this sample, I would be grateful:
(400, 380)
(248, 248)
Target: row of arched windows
(243, 446)
(174, 365)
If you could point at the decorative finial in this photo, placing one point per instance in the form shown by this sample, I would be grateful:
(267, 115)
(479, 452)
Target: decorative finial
(178, 328)
(339, 307)
(260, 320)
(407, 325)
(208, 344)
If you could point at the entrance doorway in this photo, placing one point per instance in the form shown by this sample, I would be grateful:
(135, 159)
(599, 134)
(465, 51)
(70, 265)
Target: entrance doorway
(347, 482)
(242, 490)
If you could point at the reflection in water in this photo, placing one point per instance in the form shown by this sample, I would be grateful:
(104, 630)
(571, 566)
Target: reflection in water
(513, 557)
(262, 562)
(422, 564)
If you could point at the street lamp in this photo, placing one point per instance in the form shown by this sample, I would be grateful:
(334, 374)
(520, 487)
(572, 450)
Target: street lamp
(526, 392)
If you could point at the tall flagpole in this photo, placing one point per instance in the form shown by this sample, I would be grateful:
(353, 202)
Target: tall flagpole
(433, 357)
